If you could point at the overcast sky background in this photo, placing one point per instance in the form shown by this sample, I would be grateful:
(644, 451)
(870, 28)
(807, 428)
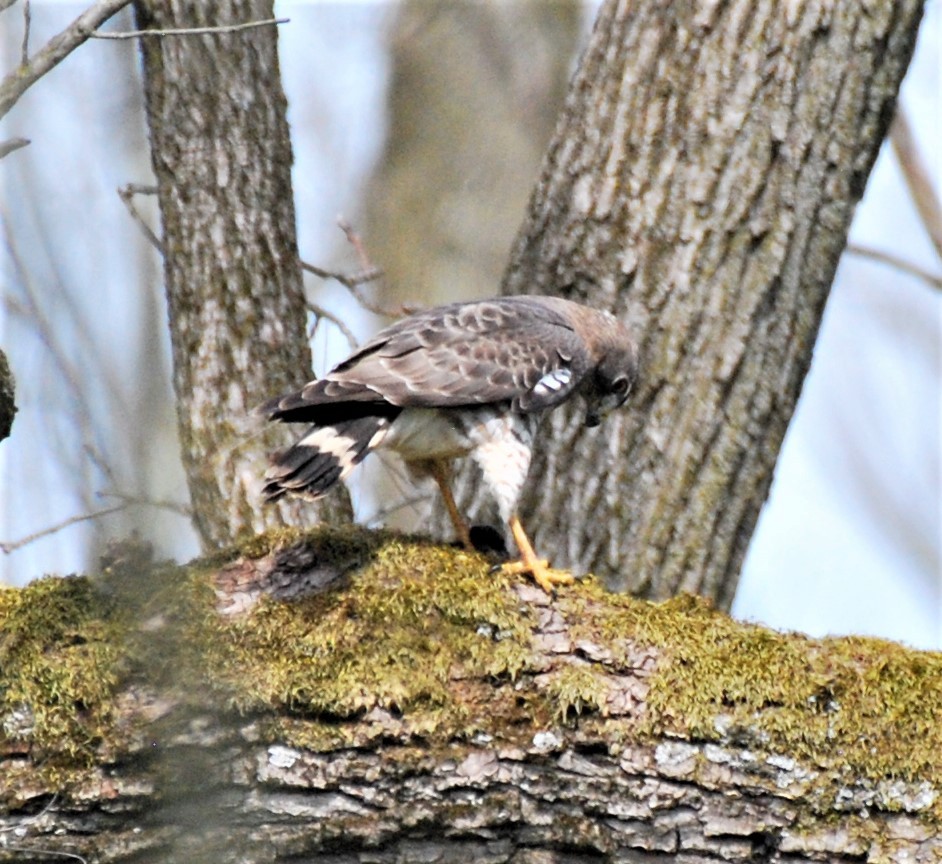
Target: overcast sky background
(850, 540)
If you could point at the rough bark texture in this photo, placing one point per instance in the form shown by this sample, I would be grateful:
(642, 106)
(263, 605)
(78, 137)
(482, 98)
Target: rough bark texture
(222, 156)
(7, 402)
(701, 183)
(418, 710)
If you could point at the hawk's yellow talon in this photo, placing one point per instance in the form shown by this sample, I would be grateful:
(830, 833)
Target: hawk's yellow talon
(544, 575)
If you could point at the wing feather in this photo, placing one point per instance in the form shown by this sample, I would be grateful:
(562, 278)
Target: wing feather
(471, 353)
(522, 350)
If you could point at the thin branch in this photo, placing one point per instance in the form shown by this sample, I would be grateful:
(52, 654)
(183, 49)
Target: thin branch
(27, 21)
(190, 31)
(353, 281)
(321, 312)
(7, 147)
(133, 500)
(350, 281)
(899, 263)
(126, 194)
(918, 178)
(356, 242)
(9, 546)
(127, 501)
(55, 51)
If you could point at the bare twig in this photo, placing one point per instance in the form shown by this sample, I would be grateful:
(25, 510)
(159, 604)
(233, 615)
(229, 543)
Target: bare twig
(29, 305)
(55, 51)
(356, 242)
(9, 546)
(7, 147)
(918, 178)
(897, 262)
(353, 281)
(366, 266)
(133, 500)
(189, 31)
(126, 194)
(321, 312)
(27, 21)
(126, 501)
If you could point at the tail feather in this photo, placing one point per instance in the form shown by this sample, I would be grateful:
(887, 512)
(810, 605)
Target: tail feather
(326, 455)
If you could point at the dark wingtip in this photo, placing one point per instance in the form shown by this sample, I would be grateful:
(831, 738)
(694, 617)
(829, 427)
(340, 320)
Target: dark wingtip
(268, 409)
(272, 492)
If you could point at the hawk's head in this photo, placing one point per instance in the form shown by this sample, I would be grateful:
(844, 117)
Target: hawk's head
(614, 376)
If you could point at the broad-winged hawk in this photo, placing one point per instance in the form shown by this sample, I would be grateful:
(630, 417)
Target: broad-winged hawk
(466, 379)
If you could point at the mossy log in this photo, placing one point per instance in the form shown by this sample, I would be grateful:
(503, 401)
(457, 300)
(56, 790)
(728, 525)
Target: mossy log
(348, 696)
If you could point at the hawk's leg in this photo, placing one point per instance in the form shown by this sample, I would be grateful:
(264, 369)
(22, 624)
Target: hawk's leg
(437, 470)
(538, 568)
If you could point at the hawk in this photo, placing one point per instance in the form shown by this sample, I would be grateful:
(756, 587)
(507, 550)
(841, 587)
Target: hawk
(465, 379)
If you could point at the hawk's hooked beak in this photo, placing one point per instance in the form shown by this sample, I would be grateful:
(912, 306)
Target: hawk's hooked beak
(592, 418)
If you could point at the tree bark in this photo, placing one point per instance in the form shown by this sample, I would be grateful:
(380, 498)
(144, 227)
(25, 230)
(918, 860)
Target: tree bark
(700, 184)
(7, 400)
(405, 706)
(222, 156)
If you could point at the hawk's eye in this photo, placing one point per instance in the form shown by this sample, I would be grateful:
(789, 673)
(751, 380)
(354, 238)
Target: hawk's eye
(620, 386)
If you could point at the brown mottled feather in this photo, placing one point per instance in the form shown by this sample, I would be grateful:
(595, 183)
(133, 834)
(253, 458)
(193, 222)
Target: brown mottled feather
(462, 354)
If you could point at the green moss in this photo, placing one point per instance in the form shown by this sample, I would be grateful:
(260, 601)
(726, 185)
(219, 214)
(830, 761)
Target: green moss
(415, 617)
(864, 706)
(573, 690)
(444, 648)
(60, 664)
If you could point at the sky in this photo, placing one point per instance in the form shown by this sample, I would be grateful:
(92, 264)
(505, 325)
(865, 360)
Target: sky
(849, 541)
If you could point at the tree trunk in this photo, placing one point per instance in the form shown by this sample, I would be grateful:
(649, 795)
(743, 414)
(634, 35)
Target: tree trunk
(413, 708)
(222, 156)
(700, 184)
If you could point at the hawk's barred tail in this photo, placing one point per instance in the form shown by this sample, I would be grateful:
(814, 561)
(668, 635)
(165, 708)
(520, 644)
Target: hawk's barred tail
(323, 457)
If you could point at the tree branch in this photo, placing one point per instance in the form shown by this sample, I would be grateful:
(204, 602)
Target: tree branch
(321, 312)
(55, 51)
(397, 695)
(189, 31)
(126, 194)
(899, 263)
(27, 23)
(917, 177)
(7, 147)
(8, 546)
